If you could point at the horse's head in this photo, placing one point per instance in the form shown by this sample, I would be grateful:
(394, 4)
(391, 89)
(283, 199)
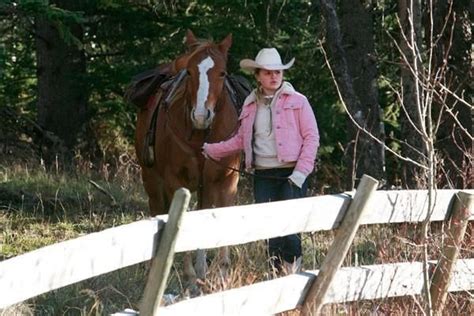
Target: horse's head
(206, 70)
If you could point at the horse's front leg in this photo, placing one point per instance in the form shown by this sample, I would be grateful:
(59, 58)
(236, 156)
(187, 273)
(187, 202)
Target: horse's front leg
(224, 263)
(201, 264)
(190, 277)
(220, 193)
(157, 200)
(190, 274)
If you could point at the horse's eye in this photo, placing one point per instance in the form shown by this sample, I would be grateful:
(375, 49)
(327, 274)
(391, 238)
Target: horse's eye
(223, 74)
(188, 73)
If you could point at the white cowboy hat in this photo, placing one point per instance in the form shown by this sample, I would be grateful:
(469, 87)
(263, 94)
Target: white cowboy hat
(267, 58)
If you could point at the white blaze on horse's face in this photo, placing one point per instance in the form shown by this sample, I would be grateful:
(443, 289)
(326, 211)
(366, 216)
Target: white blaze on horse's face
(202, 116)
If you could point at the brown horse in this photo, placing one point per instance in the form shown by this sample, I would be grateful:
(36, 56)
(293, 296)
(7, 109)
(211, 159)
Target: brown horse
(198, 109)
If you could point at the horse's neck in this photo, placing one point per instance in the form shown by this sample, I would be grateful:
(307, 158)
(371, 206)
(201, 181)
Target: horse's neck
(179, 64)
(226, 120)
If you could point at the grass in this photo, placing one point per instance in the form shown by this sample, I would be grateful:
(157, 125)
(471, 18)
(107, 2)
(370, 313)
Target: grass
(41, 206)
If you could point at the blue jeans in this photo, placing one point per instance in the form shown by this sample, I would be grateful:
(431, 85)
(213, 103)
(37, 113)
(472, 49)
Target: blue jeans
(267, 189)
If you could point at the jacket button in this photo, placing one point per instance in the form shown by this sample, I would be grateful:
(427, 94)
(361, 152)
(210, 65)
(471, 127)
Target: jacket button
(279, 144)
(278, 127)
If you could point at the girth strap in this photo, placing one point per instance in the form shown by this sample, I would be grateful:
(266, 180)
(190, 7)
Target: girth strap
(165, 94)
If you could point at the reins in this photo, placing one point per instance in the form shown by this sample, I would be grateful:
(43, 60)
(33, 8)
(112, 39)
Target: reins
(243, 172)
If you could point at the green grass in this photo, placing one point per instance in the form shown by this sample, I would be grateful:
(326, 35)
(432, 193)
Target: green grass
(39, 207)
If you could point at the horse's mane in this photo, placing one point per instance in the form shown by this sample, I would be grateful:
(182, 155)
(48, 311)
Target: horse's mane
(209, 45)
(199, 43)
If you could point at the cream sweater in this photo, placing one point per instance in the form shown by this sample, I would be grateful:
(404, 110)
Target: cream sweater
(264, 144)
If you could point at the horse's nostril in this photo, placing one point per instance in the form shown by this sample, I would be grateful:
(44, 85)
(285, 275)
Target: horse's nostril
(208, 114)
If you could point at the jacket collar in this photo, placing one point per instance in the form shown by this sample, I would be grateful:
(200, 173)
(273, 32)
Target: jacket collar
(286, 88)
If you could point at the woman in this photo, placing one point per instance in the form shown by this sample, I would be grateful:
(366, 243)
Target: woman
(279, 136)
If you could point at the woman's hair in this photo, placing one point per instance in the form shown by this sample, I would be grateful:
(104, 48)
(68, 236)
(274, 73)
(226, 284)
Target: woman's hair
(257, 70)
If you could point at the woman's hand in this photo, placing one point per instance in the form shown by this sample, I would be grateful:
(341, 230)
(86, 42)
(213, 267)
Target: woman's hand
(297, 178)
(204, 153)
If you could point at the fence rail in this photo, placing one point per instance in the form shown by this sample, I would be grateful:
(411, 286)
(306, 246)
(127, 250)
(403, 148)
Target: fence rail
(350, 284)
(68, 262)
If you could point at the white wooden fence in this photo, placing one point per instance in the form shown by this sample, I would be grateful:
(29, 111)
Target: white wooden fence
(64, 263)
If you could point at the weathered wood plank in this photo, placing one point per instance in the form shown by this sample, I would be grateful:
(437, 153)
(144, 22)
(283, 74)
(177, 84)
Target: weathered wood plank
(462, 209)
(242, 224)
(162, 262)
(314, 299)
(409, 206)
(75, 260)
(65, 263)
(350, 284)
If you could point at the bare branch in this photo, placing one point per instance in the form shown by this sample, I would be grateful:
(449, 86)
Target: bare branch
(357, 124)
(444, 88)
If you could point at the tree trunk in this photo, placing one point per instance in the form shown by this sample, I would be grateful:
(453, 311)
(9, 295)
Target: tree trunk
(61, 69)
(364, 155)
(452, 32)
(411, 118)
(365, 113)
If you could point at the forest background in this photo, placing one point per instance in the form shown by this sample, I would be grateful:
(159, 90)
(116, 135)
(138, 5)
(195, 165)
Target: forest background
(65, 66)
(390, 83)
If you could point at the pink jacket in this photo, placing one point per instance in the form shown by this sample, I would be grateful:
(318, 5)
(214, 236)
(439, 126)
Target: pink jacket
(295, 127)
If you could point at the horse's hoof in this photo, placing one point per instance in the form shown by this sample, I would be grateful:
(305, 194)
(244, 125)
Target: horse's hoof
(192, 290)
(168, 299)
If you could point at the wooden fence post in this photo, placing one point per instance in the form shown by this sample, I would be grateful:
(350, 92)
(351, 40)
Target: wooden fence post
(163, 260)
(314, 299)
(461, 211)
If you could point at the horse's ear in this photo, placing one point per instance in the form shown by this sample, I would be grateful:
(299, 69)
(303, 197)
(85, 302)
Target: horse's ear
(225, 44)
(190, 38)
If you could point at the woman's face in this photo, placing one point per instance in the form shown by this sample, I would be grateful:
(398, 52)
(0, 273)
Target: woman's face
(270, 80)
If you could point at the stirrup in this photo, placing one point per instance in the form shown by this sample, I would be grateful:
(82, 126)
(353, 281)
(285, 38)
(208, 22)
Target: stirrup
(148, 152)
